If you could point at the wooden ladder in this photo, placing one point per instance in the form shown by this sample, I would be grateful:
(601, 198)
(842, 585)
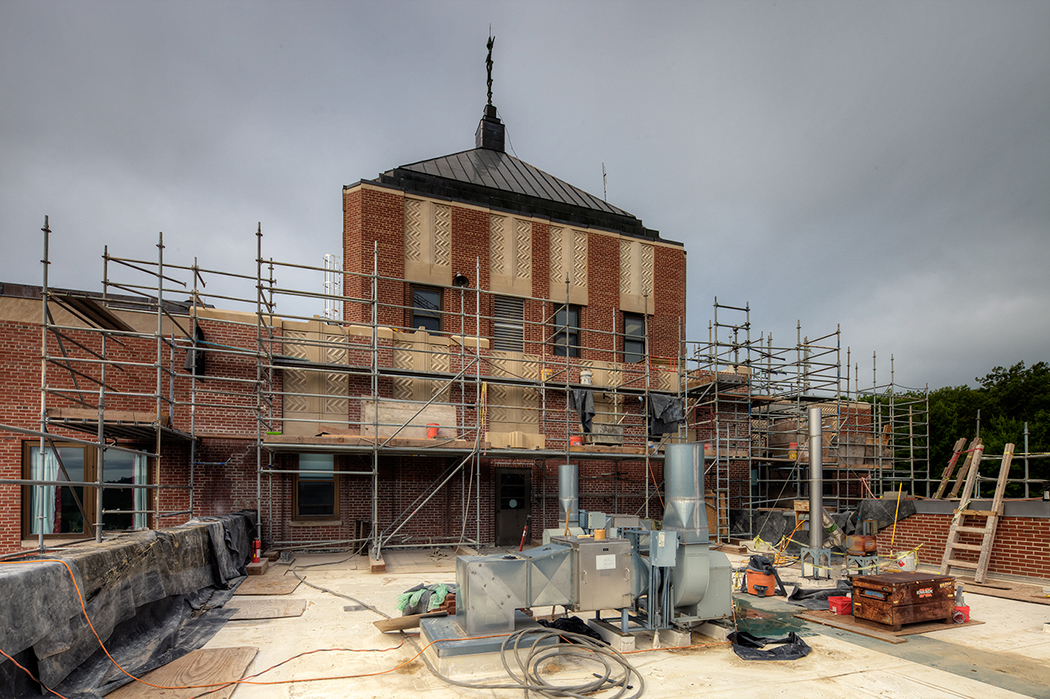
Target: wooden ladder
(946, 476)
(991, 518)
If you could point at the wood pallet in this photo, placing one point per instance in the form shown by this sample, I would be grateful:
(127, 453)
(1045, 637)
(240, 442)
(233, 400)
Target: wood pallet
(991, 519)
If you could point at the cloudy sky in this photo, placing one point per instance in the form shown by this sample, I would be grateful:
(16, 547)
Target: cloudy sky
(880, 166)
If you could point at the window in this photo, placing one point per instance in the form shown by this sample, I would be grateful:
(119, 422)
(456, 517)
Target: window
(566, 340)
(633, 338)
(66, 510)
(509, 324)
(426, 308)
(316, 494)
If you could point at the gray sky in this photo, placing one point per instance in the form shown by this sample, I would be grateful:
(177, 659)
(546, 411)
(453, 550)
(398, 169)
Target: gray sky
(880, 165)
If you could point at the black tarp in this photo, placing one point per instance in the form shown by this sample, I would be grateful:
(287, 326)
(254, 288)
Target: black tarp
(748, 647)
(153, 575)
(582, 401)
(665, 414)
(818, 599)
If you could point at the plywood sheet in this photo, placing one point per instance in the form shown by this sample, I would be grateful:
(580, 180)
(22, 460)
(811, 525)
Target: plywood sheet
(266, 608)
(201, 667)
(875, 630)
(273, 583)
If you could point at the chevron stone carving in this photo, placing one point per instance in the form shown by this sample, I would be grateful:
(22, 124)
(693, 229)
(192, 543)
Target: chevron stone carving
(579, 259)
(557, 269)
(647, 270)
(523, 248)
(442, 234)
(497, 245)
(625, 266)
(413, 229)
(295, 381)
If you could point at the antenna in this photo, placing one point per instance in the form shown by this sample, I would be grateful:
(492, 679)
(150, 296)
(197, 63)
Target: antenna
(605, 194)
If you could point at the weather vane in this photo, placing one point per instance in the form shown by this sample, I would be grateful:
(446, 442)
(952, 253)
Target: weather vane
(488, 64)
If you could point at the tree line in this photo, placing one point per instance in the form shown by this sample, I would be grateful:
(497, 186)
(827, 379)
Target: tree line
(1005, 399)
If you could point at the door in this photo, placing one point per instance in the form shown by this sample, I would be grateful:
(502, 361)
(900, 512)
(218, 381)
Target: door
(513, 504)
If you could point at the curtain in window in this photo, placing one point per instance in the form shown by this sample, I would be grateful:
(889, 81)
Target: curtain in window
(141, 494)
(45, 468)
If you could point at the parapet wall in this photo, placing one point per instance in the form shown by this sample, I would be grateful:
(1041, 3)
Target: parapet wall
(140, 576)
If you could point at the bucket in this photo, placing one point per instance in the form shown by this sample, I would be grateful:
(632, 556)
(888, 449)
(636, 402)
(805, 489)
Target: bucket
(546, 374)
(599, 534)
(753, 578)
(962, 615)
(792, 450)
(840, 605)
(906, 562)
(432, 430)
(585, 377)
(576, 441)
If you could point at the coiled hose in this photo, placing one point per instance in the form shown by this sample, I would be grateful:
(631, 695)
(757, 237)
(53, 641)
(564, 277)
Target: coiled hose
(617, 675)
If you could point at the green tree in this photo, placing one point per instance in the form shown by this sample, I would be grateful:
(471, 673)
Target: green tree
(1005, 399)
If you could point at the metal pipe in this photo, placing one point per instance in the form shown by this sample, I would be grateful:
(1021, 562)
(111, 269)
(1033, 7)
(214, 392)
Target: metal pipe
(569, 495)
(44, 292)
(816, 479)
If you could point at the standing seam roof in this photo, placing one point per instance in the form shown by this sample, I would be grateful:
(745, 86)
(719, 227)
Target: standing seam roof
(490, 168)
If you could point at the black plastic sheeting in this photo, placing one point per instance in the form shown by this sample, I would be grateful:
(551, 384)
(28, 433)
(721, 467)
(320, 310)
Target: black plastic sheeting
(883, 511)
(573, 624)
(151, 596)
(818, 599)
(748, 647)
(773, 525)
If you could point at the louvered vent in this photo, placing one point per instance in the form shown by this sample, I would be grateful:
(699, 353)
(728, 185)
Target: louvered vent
(509, 326)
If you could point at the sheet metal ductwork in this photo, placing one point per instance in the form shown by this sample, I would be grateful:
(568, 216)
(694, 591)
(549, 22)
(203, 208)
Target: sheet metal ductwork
(569, 494)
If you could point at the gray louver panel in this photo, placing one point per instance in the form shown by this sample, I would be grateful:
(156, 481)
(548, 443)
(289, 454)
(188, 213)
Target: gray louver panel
(509, 326)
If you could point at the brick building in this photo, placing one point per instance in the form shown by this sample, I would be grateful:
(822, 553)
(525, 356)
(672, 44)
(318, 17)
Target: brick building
(489, 323)
(434, 407)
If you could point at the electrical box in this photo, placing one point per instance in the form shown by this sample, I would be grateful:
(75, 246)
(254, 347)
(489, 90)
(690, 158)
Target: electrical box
(663, 548)
(602, 573)
(596, 520)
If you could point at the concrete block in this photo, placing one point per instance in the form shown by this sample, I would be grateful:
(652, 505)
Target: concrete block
(713, 630)
(671, 638)
(611, 635)
(258, 568)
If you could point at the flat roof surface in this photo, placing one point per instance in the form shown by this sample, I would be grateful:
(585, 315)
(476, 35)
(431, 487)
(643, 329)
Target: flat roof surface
(1007, 656)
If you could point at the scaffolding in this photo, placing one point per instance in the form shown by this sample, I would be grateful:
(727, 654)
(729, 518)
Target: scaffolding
(481, 380)
(747, 400)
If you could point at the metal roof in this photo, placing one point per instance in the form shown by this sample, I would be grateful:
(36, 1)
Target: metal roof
(491, 168)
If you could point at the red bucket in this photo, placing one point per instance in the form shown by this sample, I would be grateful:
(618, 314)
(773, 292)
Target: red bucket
(840, 605)
(576, 441)
(962, 614)
(432, 430)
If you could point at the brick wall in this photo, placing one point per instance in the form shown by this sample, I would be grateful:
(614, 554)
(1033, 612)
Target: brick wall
(669, 305)
(1021, 543)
